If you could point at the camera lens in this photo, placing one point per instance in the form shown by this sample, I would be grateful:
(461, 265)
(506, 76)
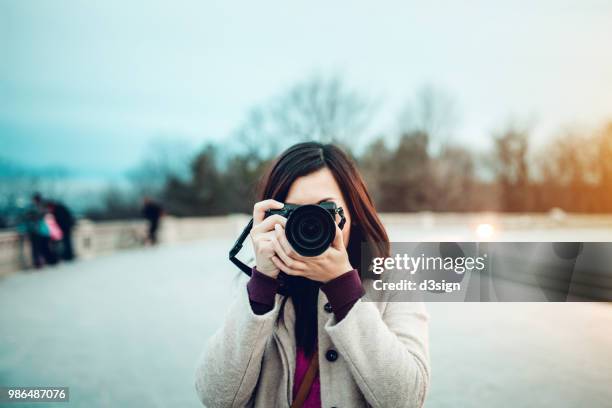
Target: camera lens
(310, 230)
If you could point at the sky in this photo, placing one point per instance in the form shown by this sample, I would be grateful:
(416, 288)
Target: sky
(87, 85)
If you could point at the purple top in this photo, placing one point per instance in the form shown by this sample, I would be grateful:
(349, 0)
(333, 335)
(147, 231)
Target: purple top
(313, 399)
(342, 292)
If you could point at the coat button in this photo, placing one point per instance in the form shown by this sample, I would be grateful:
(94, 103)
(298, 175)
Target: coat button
(327, 307)
(331, 355)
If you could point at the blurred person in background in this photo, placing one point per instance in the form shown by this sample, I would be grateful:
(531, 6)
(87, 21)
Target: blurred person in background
(65, 221)
(32, 224)
(152, 212)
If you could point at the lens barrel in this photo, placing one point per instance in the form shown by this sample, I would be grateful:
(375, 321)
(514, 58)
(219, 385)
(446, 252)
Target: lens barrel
(310, 230)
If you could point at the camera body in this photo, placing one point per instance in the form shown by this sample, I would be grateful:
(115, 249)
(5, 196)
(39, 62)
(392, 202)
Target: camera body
(311, 228)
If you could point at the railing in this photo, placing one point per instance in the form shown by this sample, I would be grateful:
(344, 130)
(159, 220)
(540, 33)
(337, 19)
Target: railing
(92, 239)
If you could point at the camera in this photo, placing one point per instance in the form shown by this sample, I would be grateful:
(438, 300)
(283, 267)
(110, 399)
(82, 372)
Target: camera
(310, 229)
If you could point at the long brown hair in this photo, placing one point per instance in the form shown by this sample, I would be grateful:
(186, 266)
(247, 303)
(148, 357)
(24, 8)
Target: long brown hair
(367, 231)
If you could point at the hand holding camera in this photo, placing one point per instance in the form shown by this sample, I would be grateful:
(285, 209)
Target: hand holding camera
(324, 267)
(262, 234)
(300, 240)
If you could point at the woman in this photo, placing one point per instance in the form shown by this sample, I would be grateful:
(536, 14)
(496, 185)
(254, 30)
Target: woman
(370, 352)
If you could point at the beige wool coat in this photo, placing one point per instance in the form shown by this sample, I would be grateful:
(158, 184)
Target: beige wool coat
(382, 348)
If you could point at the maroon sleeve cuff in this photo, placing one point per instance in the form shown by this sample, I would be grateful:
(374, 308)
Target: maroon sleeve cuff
(262, 290)
(343, 292)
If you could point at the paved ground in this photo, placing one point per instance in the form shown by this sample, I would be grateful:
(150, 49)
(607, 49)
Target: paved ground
(125, 330)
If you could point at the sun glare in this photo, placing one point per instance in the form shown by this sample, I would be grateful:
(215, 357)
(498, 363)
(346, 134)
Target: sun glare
(484, 231)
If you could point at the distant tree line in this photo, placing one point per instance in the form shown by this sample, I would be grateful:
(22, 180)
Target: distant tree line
(418, 167)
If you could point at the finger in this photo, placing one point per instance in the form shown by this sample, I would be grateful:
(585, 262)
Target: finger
(265, 236)
(268, 224)
(260, 208)
(287, 260)
(266, 249)
(282, 239)
(283, 267)
(338, 241)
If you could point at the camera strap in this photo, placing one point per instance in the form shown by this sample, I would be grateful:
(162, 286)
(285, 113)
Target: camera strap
(238, 246)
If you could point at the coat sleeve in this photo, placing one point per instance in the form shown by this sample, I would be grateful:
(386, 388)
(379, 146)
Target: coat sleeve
(387, 355)
(228, 370)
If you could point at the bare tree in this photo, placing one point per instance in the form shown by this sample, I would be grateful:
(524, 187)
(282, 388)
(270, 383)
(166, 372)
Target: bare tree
(510, 165)
(433, 112)
(401, 176)
(374, 163)
(320, 109)
(163, 158)
(453, 180)
(603, 162)
(575, 171)
(258, 136)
